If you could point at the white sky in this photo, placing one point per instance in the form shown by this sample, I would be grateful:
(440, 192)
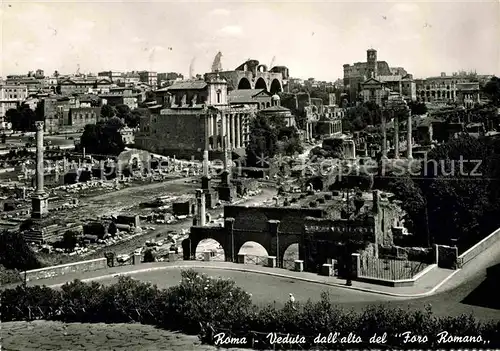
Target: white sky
(313, 39)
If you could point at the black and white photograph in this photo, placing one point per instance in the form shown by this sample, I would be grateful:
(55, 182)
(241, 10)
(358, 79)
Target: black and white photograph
(249, 175)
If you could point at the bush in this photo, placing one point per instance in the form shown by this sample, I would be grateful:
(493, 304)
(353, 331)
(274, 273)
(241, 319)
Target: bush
(15, 252)
(199, 300)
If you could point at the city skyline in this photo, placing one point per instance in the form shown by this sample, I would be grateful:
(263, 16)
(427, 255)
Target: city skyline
(312, 39)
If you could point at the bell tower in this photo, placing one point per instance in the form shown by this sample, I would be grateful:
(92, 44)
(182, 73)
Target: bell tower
(371, 63)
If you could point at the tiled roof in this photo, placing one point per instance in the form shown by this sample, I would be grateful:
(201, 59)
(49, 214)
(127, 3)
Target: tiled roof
(389, 78)
(187, 85)
(244, 95)
(276, 109)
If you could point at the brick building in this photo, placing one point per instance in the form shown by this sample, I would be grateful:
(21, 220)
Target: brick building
(197, 117)
(79, 117)
(82, 85)
(392, 78)
(445, 88)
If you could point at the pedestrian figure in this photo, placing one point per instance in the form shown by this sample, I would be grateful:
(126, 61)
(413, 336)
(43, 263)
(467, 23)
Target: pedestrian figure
(292, 301)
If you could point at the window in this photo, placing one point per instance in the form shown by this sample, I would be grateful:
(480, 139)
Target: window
(218, 96)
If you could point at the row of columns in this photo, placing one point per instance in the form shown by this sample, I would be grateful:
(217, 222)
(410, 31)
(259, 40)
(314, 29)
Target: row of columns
(232, 126)
(335, 127)
(409, 138)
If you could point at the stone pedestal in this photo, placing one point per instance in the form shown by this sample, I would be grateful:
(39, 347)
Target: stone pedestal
(271, 261)
(137, 258)
(206, 256)
(172, 256)
(241, 258)
(299, 265)
(39, 206)
(327, 270)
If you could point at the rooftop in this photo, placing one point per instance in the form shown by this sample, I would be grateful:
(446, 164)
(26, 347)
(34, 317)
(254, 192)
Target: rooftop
(276, 109)
(187, 85)
(244, 95)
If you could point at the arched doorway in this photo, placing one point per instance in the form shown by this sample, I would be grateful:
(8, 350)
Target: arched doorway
(276, 86)
(290, 255)
(212, 246)
(261, 84)
(254, 253)
(244, 84)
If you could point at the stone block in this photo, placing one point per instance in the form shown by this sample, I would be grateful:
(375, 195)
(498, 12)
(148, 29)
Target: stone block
(206, 256)
(241, 258)
(299, 265)
(137, 259)
(172, 256)
(271, 261)
(327, 270)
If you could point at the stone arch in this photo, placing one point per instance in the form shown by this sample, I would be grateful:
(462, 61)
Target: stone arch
(212, 245)
(276, 86)
(253, 248)
(260, 84)
(291, 252)
(268, 104)
(244, 84)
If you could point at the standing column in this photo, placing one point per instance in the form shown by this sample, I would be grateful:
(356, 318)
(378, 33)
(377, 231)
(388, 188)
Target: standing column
(215, 132)
(233, 131)
(238, 131)
(307, 131)
(210, 132)
(39, 158)
(409, 145)
(39, 200)
(396, 136)
(200, 201)
(384, 136)
(223, 130)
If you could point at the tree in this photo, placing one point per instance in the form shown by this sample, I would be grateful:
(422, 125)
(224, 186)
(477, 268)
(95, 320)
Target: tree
(418, 108)
(263, 142)
(103, 138)
(15, 252)
(23, 119)
(107, 111)
(492, 90)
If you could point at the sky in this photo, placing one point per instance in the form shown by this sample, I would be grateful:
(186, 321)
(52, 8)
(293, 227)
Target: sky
(313, 39)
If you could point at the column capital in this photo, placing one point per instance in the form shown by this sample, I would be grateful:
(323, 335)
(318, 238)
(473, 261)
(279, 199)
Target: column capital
(39, 125)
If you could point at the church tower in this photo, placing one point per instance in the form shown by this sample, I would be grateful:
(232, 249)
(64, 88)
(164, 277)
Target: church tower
(371, 63)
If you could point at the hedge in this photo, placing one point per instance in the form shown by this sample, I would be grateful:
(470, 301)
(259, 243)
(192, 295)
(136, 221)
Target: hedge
(200, 301)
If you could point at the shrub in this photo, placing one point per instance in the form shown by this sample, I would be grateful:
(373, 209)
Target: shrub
(199, 299)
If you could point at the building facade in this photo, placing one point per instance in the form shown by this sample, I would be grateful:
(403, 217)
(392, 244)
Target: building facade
(150, 78)
(79, 117)
(197, 117)
(357, 74)
(445, 88)
(79, 85)
(11, 96)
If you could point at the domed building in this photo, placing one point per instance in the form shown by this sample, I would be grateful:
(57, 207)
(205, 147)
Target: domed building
(279, 111)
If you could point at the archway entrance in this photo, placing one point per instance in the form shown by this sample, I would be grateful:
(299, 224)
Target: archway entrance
(276, 86)
(244, 84)
(254, 253)
(260, 84)
(290, 255)
(212, 246)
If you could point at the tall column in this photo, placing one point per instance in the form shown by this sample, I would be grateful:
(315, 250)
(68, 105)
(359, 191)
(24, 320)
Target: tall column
(39, 204)
(223, 131)
(215, 132)
(233, 131)
(384, 136)
(39, 158)
(238, 131)
(409, 137)
(210, 131)
(200, 202)
(396, 136)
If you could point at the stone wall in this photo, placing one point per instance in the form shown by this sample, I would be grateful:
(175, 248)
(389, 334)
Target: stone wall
(468, 255)
(49, 272)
